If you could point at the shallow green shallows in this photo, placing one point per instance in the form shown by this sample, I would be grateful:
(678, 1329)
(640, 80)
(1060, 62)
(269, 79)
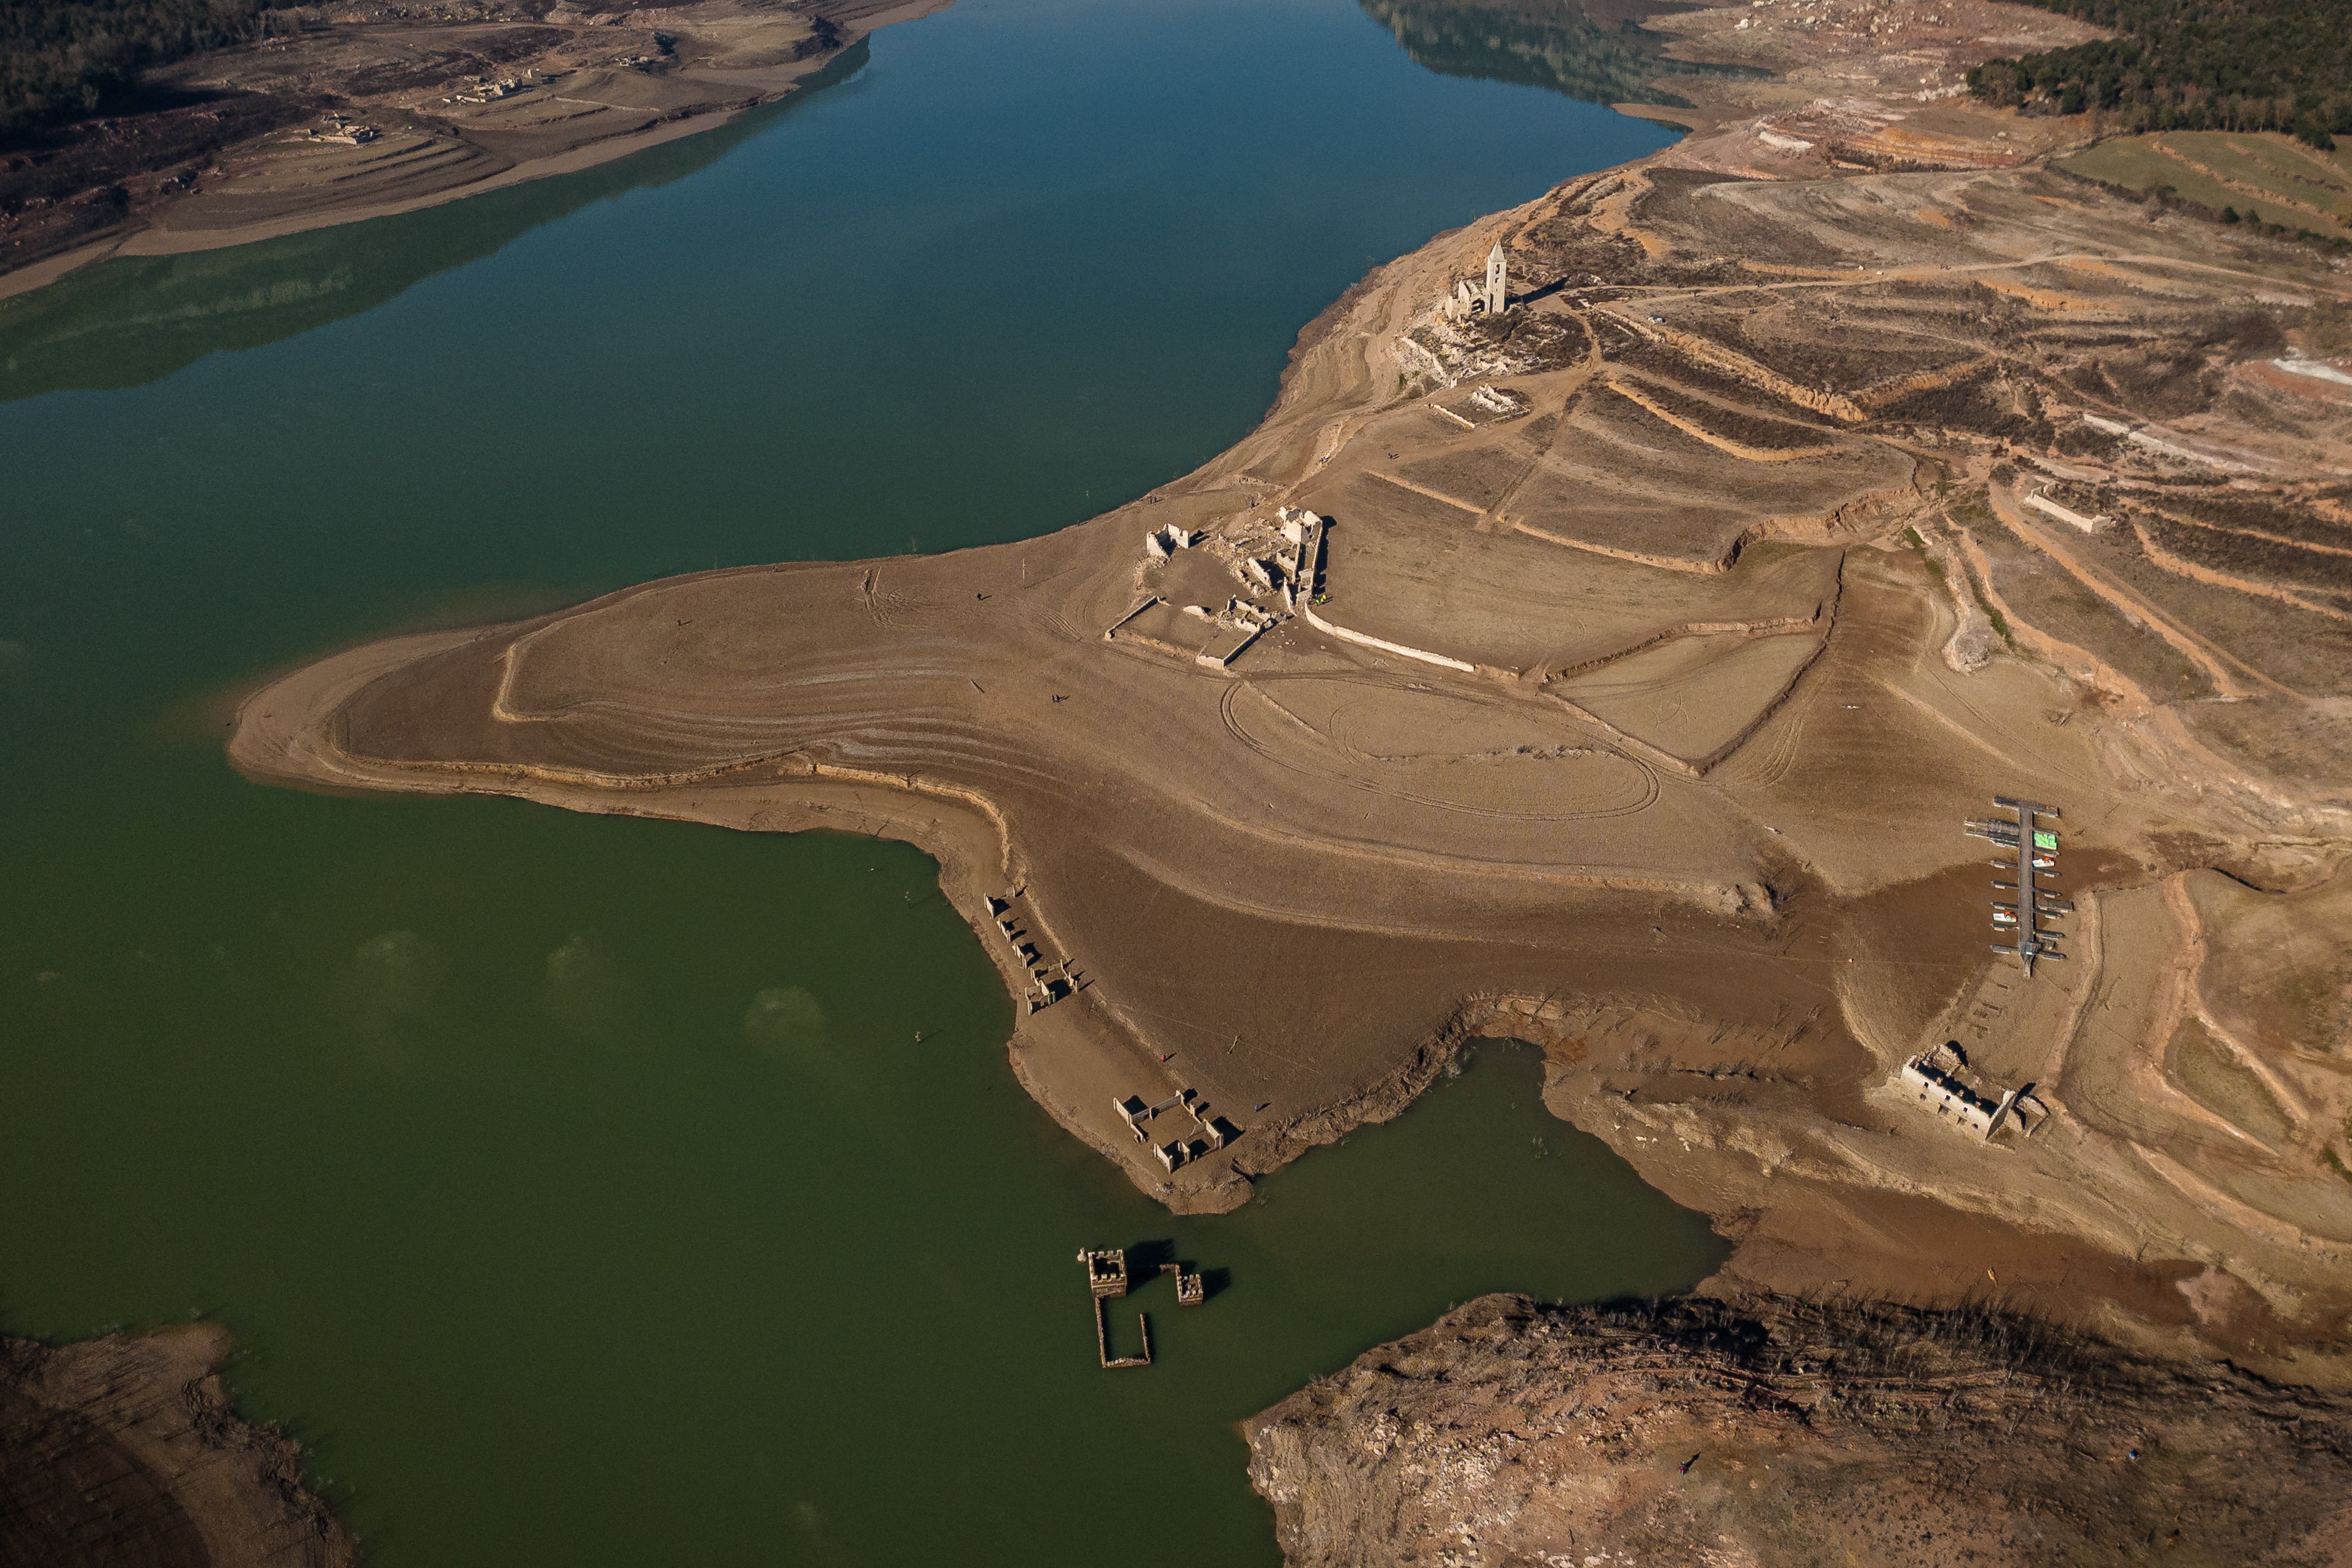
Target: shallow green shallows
(578, 1187)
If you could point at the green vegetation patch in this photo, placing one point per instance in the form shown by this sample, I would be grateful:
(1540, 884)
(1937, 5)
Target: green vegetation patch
(2217, 1081)
(2238, 176)
(2193, 64)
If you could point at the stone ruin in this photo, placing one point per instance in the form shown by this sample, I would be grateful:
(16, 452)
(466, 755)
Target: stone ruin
(1491, 298)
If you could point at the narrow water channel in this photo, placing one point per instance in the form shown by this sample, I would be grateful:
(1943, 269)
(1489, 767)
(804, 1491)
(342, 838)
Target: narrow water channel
(579, 1187)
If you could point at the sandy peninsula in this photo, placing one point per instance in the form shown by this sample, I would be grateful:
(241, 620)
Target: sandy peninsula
(1618, 670)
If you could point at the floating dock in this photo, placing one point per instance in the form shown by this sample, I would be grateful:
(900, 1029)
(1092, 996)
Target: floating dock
(2033, 852)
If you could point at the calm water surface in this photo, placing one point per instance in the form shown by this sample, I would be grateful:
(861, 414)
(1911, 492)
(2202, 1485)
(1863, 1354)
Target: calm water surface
(579, 1187)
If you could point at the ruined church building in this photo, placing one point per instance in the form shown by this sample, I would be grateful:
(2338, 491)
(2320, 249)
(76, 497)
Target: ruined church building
(1471, 299)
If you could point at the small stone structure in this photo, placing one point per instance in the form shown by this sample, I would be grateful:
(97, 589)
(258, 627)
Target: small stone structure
(2039, 501)
(348, 132)
(485, 90)
(1934, 1076)
(1502, 402)
(1105, 1271)
(1107, 1281)
(1215, 1131)
(1050, 980)
(1276, 578)
(1162, 542)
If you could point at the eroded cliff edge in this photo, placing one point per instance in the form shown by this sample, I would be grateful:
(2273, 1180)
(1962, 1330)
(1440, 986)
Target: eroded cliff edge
(1773, 1431)
(125, 1449)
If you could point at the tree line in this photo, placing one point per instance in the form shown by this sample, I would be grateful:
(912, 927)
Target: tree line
(62, 58)
(2193, 64)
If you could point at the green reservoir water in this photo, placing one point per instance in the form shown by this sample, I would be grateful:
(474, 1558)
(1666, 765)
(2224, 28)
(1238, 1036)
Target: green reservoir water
(578, 1188)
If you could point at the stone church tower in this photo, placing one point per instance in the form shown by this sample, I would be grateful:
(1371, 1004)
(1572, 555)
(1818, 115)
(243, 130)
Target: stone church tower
(1496, 270)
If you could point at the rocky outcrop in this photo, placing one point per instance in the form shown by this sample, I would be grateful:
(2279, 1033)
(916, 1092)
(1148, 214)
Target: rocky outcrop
(123, 1452)
(1774, 1431)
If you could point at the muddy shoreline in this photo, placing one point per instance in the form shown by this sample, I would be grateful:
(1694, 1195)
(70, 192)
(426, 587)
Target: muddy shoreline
(1720, 555)
(340, 119)
(125, 1448)
(1693, 603)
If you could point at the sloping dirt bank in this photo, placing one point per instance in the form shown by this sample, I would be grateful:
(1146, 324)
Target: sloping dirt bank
(338, 115)
(1772, 1431)
(124, 1450)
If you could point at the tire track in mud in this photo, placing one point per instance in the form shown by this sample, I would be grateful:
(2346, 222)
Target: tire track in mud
(1649, 788)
